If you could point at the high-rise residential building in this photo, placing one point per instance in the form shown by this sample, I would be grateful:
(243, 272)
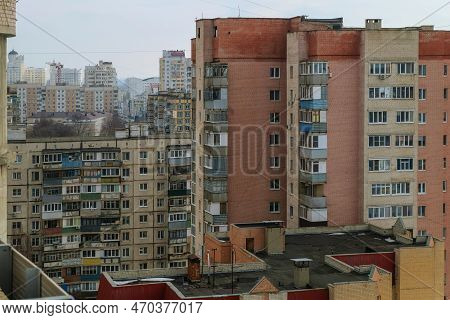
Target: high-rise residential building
(175, 72)
(64, 98)
(169, 112)
(16, 67)
(319, 125)
(69, 76)
(101, 75)
(151, 85)
(81, 206)
(34, 76)
(7, 30)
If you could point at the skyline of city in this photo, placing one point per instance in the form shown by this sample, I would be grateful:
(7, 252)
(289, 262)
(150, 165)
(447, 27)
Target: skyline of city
(36, 38)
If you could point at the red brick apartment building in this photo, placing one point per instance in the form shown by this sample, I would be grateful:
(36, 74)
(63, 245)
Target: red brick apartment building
(311, 123)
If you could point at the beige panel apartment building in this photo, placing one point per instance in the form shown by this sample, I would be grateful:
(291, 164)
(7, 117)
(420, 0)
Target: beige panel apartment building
(77, 208)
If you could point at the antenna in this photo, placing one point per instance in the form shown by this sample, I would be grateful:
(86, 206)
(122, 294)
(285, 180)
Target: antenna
(239, 12)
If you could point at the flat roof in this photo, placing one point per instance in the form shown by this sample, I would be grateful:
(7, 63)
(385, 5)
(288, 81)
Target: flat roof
(280, 268)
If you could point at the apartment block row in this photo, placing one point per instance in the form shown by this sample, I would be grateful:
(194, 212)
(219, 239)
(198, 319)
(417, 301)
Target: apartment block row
(77, 208)
(319, 125)
(34, 98)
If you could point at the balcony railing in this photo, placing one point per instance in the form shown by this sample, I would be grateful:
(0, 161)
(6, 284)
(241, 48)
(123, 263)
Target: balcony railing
(317, 104)
(313, 177)
(318, 127)
(313, 202)
(313, 153)
(179, 193)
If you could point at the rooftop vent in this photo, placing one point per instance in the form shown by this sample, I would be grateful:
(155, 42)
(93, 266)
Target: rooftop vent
(301, 272)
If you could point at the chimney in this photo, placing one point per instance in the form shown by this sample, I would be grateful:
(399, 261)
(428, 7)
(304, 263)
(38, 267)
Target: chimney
(301, 272)
(193, 268)
(373, 24)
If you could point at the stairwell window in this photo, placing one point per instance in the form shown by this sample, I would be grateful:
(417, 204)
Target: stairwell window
(274, 117)
(274, 139)
(275, 184)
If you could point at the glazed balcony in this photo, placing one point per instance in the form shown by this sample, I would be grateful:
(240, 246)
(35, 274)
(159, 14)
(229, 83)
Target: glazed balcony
(313, 178)
(313, 202)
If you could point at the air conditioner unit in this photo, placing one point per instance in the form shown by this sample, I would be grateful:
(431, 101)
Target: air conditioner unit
(330, 75)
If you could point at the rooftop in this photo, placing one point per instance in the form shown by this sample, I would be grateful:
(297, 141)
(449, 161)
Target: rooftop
(312, 248)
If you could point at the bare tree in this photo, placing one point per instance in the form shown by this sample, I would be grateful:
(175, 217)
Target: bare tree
(79, 126)
(46, 128)
(111, 124)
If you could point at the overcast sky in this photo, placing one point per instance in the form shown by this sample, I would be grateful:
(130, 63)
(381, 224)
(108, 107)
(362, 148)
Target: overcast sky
(132, 33)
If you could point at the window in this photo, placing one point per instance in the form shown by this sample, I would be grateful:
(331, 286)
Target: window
(379, 165)
(404, 92)
(16, 175)
(380, 69)
(16, 192)
(274, 95)
(143, 187)
(291, 72)
(275, 72)
(143, 234)
(143, 155)
(444, 140)
(125, 156)
(404, 141)
(35, 192)
(143, 218)
(274, 117)
(377, 117)
(421, 188)
(388, 212)
(35, 175)
(444, 117)
(143, 171)
(274, 139)
(126, 220)
(445, 93)
(18, 158)
(379, 141)
(422, 118)
(143, 203)
(422, 141)
(275, 184)
(143, 251)
(274, 207)
(35, 159)
(401, 188)
(444, 162)
(422, 70)
(125, 172)
(160, 203)
(421, 164)
(275, 162)
(109, 156)
(405, 116)
(405, 68)
(381, 189)
(405, 164)
(160, 234)
(126, 236)
(444, 185)
(445, 69)
(16, 209)
(35, 209)
(422, 94)
(125, 204)
(160, 218)
(421, 211)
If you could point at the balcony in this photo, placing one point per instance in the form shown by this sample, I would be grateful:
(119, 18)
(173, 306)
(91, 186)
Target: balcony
(71, 197)
(52, 215)
(313, 153)
(68, 214)
(71, 229)
(180, 161)
(216, 172)
(90, 196)
(316, 215)
(216, 104)
(313, 202)
(71, 262)
(71, 180)
(90, 277)
(52, 182)
(90, 228)
(317, 104)
(311, 79)
(71, 164)
(221, 219)
(55, 264)
(52, 198)
(316, 127)
(51, 231)
(110, 196)
(176, 225)
(216, 116)
(313, 177)
(110, 180)
(50, 166)
(179, 193)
